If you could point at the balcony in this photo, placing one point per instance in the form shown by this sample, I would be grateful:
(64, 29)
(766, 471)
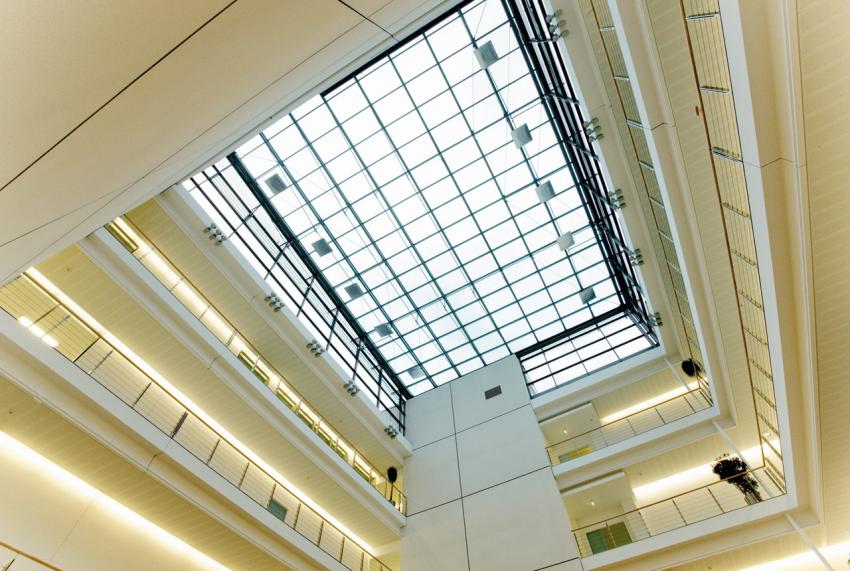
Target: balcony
(684, 509)
(190, 296)
(13, 558)
(629, 426)
(38, 307)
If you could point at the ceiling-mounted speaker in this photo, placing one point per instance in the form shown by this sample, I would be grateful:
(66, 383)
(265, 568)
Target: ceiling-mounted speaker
(416, 372)
(486, 55)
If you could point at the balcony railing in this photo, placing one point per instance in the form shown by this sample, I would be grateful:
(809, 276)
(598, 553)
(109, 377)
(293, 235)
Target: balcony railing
(690, 507)
(12, 559)
(162, 268)
(629, 426)
(45, 316)
(704, 30)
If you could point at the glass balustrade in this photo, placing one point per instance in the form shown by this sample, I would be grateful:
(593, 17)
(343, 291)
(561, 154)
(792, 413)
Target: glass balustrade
(46, 317)
(672, 513)
(13, 559)
(144, 250)
(629, 426)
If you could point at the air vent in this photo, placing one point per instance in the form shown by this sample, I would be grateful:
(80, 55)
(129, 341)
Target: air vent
(494, 392)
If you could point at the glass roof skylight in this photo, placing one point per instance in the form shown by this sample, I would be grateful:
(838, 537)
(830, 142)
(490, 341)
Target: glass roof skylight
(420, 208)
(431, 196)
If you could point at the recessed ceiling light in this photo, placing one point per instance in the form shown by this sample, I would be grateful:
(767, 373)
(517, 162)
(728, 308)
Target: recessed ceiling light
(521, 136)
(276, 183)
(354, 291)
(564, 431)
(486, 55)
(593, 503)
(545, 192)
(322, 247)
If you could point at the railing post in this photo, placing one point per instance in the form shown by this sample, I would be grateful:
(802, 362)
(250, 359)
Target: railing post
(217, 442)
(713, 497)
(86, 350)
(179, 422)
(297, 513)
(341, 549)
(631, 426)
(675, 505)
(245, 473)
(105, 357)
(321, 530)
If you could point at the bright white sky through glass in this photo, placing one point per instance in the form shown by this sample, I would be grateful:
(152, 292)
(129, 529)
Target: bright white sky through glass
(409, 172)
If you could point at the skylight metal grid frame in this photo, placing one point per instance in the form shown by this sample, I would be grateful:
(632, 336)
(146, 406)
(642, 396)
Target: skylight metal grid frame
(283, 264)
(297, 149)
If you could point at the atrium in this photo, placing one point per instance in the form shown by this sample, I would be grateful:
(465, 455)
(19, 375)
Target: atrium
(396, 285)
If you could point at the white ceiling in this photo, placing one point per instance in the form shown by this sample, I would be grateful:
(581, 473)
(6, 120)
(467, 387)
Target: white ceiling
(105, 104)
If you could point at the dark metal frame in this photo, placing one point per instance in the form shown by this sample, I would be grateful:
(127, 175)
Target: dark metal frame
(528, 24)
(345, 338)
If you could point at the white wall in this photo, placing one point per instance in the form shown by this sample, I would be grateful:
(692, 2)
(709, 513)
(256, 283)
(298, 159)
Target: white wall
(52, 515)
(481, 492)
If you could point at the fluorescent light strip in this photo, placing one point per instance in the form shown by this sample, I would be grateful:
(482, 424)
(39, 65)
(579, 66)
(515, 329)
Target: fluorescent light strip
(648, 403)
(689, 479)
(41, 280)
(22, 456)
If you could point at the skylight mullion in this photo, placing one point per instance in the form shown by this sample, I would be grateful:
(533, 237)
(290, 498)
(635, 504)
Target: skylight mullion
(349, 208)
(492, 176)
(509, 119)
(451, 175)
(395, 217)
(392, 152)
(500, 269)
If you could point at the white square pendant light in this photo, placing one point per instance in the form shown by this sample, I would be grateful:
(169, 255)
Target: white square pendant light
(566, 241)
(521, 136)
(587, 295)
(276, 184)
(383, 330)
(354, 291)
(486, 55)
(545, 192)
(322, 247)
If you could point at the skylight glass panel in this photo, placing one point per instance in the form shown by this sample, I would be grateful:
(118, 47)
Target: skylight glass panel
(431, 194)
(424, 207)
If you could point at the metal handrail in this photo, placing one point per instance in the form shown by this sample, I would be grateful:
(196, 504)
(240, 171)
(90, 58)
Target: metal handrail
(70, 335)
(135, 241)
(24, 554)
(696, 393)
(722, 497)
